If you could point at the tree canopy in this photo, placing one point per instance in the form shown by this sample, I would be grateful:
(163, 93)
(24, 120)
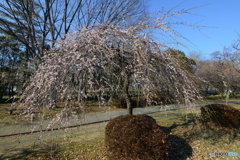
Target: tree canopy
(111, 56)
(107, 57)
(37, 23)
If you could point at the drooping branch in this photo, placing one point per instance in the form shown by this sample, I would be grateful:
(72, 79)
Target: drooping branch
(86, 59)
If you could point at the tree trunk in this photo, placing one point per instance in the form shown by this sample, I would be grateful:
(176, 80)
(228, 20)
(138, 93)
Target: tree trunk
(1, 97)
(126, 93)
(227, 95)
(129, 105)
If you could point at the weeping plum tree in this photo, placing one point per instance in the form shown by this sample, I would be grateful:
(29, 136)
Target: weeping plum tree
(106, 57)
(109, 58)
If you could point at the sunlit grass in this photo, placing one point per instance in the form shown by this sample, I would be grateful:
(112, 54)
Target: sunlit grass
(222, 97)
(91, 106)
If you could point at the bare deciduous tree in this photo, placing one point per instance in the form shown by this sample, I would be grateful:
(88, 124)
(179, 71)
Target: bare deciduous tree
(221, 73)
(36, 23)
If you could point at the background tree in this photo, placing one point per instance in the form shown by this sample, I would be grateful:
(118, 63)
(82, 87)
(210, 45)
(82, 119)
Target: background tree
(187, 64)
(228, 69)
(208, 71)
(36, 23)
(236, 44)
(220, 72)
(10, 68)
(231, 56)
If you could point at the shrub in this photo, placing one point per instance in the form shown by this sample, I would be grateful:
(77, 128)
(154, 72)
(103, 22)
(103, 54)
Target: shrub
(221, 115)
(121, 103)
(161, 99)
(118, 102)
(141, 101)
(135, 137)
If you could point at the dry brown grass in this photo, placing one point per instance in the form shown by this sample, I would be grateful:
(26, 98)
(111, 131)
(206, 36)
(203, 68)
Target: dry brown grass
(189, 140)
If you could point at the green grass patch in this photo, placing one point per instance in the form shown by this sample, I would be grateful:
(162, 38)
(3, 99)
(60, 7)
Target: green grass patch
(232, 97)
(4, 113)
(234, 105)
(90, 106)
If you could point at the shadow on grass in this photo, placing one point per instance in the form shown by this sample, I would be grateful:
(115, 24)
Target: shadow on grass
(217, 134)
(174, 125)
(20, 155)
(190, 131)
(179, 148)
(44, 152)
(194, 130)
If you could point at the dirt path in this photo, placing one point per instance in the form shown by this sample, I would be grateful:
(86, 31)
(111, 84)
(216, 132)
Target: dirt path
(35, 126)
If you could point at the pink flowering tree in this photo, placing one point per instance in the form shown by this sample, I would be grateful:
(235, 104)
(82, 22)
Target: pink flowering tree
(110, 58)
(106, 58)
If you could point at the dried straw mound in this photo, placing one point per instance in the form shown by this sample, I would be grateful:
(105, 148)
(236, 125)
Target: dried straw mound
(221, 115)
(135, 137)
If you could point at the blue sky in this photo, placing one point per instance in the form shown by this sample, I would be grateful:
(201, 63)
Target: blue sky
(222, 17)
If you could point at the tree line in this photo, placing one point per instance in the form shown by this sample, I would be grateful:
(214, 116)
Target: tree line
(57, 49)
(29, 27)
(220, 72)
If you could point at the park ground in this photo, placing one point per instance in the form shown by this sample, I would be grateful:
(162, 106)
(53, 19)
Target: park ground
(189, 140)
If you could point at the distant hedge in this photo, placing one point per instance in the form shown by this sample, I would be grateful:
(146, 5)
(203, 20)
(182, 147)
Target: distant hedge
(138, 102)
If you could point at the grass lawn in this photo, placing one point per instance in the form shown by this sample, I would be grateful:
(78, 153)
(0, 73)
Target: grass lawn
(189, 140)
(221, 98)
(91, 106)
(5, 116)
